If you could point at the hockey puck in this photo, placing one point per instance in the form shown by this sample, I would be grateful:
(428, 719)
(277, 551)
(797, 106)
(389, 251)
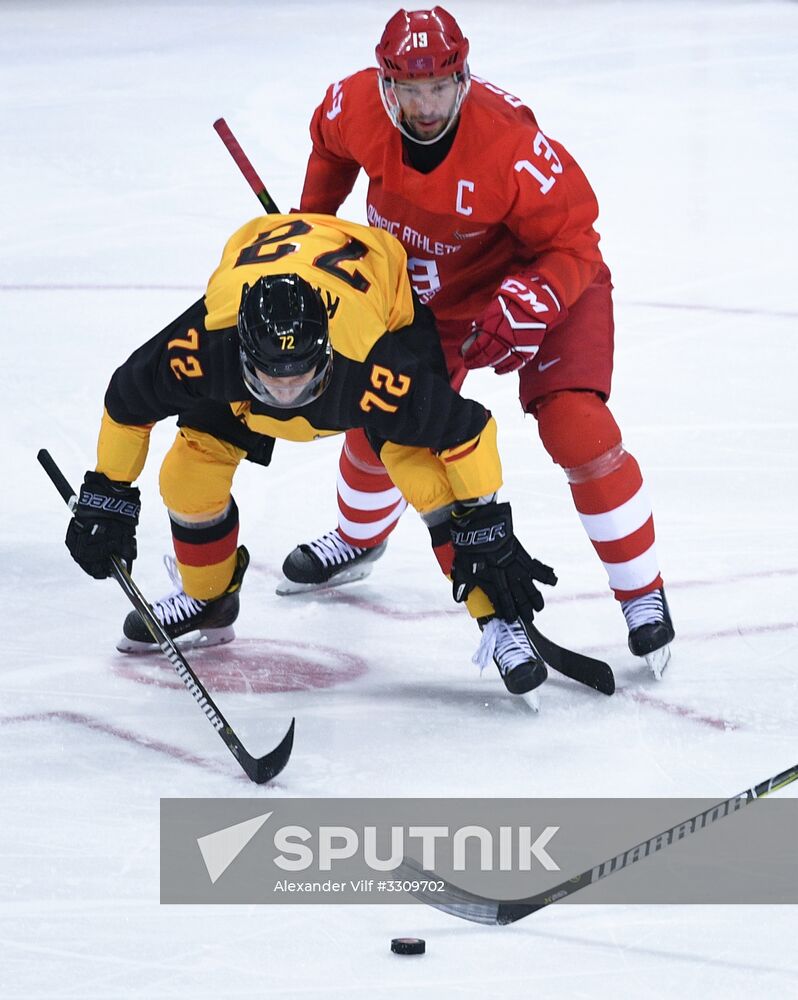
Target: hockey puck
(408, 946)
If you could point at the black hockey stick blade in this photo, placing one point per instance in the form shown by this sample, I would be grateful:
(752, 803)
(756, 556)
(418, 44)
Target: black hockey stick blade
(451, 899)
(586, 670)
(263, 769)
(467, 905)
(257, 769)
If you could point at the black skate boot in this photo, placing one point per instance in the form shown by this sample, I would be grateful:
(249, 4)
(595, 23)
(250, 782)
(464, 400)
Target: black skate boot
(520, 666)
(650, 629)
(180, 614)
(328, 561)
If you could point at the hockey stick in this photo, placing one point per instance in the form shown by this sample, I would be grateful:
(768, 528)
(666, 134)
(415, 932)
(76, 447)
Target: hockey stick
(246, 168)
(258, 769)
(484, 910)
(586, 670)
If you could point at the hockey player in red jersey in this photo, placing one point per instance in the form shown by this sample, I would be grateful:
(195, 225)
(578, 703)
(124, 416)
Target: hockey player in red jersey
(498, 223)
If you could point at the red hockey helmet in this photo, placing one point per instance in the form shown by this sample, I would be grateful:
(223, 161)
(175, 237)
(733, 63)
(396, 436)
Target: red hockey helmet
(421, 45)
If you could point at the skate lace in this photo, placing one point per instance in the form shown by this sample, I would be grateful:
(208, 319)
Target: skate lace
(333, 550)
(506, 642)
(645, 610)
(177, 606)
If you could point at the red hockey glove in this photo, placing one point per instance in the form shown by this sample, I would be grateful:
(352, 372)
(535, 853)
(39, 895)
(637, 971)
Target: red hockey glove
(509, 332)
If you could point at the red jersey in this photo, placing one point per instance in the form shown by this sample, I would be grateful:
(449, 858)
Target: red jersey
(506, 199)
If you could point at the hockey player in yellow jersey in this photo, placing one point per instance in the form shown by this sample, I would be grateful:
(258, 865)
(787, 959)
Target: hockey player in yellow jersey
(307, 328)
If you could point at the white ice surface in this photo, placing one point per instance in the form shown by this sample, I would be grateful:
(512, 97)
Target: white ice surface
(117, 197)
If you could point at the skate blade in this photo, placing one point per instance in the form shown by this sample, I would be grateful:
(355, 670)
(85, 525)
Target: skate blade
(199, 639)
(658, 661)
(531, 699)
(286, 587)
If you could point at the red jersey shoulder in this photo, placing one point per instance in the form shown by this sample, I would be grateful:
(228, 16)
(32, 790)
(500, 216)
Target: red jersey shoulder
(519, 148)
(500, 121)
(354, 103)
(504, 108)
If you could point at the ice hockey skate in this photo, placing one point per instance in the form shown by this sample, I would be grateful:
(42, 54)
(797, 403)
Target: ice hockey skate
(650, 629)
(180, 615)
(519, 665)
(329, 561)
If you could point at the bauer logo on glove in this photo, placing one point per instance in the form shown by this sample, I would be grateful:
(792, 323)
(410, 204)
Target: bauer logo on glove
(112, 505)
(489, 556)
(480, 536)
(104, 524)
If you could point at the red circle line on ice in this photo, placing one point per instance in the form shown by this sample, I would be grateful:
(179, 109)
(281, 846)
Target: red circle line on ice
(260, 666)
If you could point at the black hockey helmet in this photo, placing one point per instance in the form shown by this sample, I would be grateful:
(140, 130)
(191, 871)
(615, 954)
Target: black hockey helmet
(283, 331)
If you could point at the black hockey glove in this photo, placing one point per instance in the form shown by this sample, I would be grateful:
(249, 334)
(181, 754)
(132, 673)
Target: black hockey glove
(104, 524)
(488, 555)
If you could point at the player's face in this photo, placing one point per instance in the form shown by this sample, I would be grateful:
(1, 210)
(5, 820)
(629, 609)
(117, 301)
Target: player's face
(286, 390)
(427, 105)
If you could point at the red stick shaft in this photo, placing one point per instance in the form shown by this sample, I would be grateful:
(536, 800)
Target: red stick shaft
(244, 165)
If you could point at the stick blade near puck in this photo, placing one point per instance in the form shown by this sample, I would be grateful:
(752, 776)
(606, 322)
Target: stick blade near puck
(408, 946)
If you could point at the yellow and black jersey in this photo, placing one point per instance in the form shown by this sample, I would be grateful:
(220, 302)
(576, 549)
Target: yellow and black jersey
(388, 373)
(360, 273)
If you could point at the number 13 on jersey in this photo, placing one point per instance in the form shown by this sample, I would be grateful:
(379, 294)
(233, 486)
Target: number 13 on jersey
(542, 145)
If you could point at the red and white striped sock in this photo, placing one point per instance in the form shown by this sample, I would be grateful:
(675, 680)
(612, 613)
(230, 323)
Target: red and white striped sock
(369, 505)
(613, 505)
(581, 435)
